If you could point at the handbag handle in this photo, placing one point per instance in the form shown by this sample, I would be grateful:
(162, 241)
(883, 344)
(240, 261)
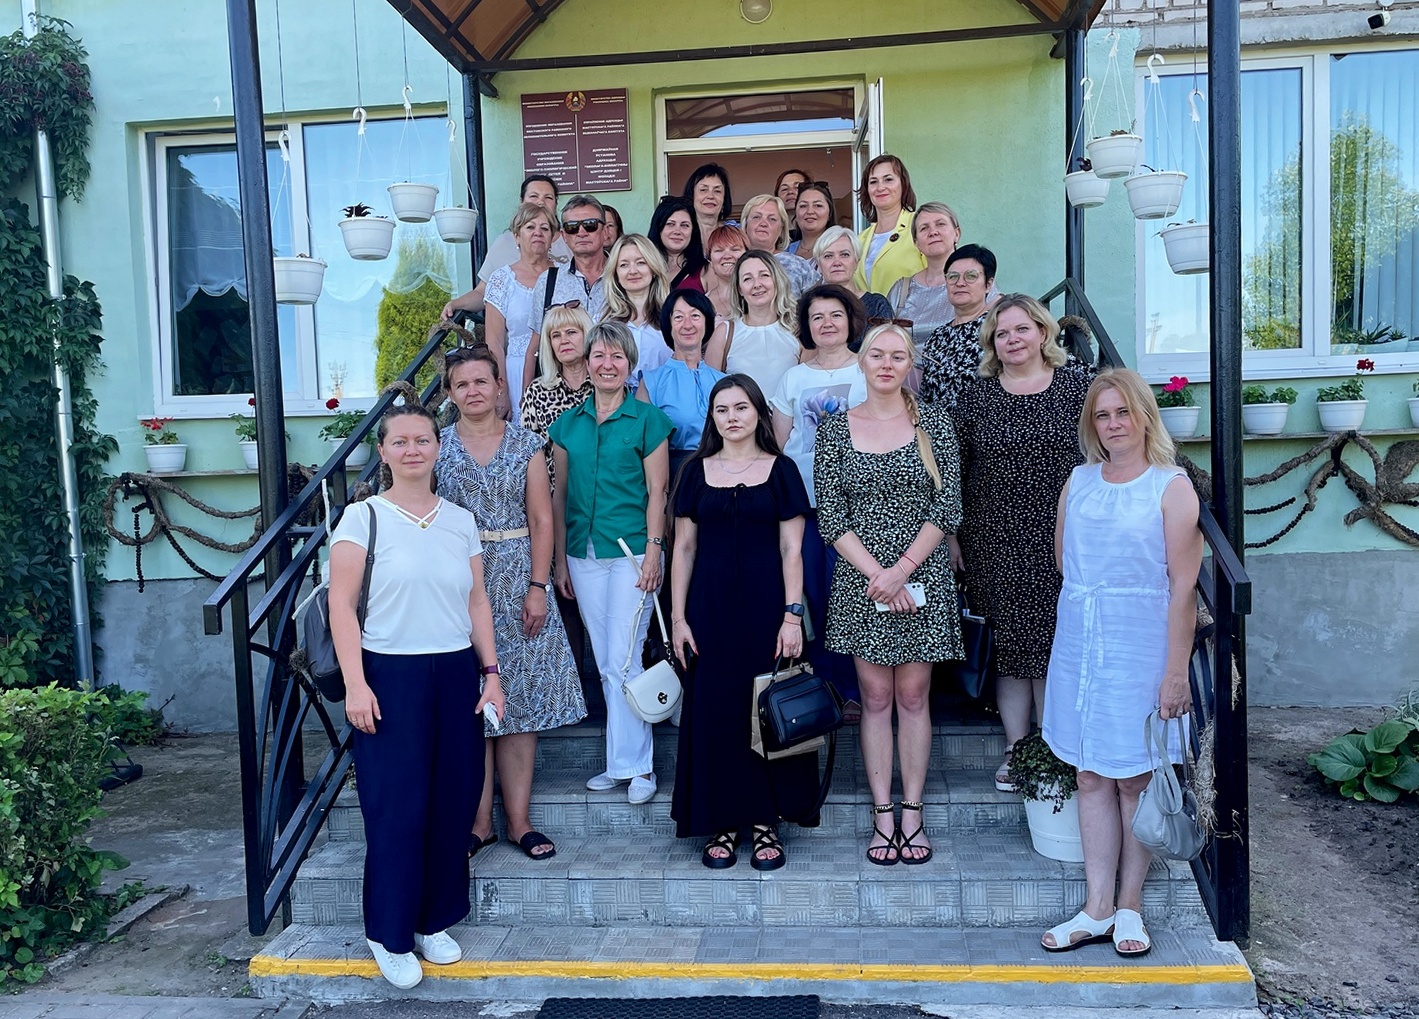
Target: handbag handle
(362, 606)
(1156, 737)
(636, 623)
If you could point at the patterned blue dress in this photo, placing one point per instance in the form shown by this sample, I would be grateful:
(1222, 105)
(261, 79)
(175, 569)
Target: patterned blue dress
(539, 677)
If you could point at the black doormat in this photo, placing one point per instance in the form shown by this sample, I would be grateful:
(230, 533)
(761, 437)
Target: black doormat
(719, 1007)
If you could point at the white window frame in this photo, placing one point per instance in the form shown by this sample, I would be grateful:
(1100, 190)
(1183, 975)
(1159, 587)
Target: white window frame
(1313, 359)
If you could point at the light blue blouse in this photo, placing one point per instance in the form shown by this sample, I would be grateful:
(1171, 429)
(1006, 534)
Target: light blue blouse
(683, 393)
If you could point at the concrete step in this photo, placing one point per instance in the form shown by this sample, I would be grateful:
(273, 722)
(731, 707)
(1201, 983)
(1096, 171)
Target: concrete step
(562, 806)
(976, 879)
(1187, 968)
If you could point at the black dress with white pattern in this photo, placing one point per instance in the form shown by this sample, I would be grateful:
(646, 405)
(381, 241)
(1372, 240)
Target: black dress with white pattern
(948, 358)
(1016, 454)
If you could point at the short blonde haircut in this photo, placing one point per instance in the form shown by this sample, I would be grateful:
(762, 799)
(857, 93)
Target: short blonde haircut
(938, 208)
(923, 441)
(558, 317)
(784, 306)
(618, 303)
(777, 203)
(527, 212)
(1158, 448)
(831, 236)
(1053, 354)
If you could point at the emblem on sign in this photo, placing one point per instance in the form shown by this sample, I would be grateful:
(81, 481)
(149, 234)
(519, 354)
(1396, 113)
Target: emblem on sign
(576, 101)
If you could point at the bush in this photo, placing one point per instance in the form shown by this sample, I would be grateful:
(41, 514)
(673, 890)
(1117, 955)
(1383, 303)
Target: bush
(52, 756)
(1038, 774)
(126, 717)
(410, 308)
(1381, 764)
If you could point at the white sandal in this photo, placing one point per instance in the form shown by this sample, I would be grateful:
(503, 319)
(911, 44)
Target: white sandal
(1002, 773)
(1129, 927)
(1093, 930)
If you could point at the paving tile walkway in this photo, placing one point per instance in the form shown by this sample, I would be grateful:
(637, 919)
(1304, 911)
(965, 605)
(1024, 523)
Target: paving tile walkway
(39, 1005)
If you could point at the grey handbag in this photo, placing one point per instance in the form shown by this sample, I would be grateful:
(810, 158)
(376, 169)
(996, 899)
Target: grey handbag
(1166, 819)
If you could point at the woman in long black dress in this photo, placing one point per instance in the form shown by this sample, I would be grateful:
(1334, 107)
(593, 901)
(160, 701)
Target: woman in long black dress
(737, 609)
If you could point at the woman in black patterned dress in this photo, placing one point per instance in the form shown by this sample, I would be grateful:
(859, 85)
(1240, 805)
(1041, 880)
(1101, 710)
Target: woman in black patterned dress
(950, 356)
(1018, 423)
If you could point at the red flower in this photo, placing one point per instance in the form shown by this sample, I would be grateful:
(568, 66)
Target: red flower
(1176, 384)
(251, 401)
(332, 403)
(1364, 365)
(156, 424)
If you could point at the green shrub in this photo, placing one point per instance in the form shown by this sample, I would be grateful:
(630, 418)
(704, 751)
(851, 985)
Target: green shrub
(125, 716)
(1038, 774)
(408, 311)
(1382, 764)
(52, 755)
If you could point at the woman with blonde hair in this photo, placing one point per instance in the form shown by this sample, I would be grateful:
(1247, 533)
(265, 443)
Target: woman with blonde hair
(1017, 422)
(1129, 547)
(637, 282)
(837, 255)
(760, 341)
(922, 298)
(886, 474)
(766, 222)
(516, 295)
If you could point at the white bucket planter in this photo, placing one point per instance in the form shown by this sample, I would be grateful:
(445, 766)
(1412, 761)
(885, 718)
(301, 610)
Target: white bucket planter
(1187, 246)
(171, 458)
(359, 456)
(1264, 418)
(413, 203)
(1085, 189)
(248, 453)
(456, 225)
(1180, 422)
(367, 238)
(1341, 415)
(298, 280)
(1414, 411)
(1055, 836)
(1155, 195)
(1114, 155)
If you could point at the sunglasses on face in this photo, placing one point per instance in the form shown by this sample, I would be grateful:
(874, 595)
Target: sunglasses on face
(565, 304)
(900, 323)
(458, 354)
(970, 276)
(586, 226)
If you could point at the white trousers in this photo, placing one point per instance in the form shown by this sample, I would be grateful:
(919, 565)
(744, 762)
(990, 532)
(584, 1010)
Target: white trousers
(607, 596)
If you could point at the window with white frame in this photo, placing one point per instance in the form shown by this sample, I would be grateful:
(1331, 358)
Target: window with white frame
(1330, 217)
(203, 347)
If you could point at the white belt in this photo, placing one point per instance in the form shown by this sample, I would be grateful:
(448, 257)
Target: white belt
(519, 532)
(1093, 640)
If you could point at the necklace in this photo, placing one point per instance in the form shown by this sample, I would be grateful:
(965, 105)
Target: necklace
(849, 359)
(723, 465)
(889, 417)
(423, 521)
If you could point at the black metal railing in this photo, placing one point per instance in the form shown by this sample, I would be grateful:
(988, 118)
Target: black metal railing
(283, 808)
(1218, 677)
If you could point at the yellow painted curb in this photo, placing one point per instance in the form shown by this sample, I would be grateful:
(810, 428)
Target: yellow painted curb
(273, 966)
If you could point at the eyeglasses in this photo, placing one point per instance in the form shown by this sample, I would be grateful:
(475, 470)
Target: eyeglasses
(901, 323)
(586, 226)
(970, 276)
(565, 304)
(468, 353)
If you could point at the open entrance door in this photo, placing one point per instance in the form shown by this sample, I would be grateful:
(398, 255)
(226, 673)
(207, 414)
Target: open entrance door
(866, 138)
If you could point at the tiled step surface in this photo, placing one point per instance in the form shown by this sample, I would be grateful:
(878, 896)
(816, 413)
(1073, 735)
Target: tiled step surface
(976, 879)
(885, 963)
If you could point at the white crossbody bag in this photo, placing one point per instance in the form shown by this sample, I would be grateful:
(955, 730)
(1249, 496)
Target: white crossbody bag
(654, 695)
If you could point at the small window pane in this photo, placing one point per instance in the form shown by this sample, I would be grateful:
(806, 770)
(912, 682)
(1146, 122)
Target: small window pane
(762, 113)
(1374, 202)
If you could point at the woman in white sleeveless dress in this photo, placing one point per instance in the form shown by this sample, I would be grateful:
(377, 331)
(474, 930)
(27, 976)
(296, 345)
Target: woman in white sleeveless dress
(1129, 547)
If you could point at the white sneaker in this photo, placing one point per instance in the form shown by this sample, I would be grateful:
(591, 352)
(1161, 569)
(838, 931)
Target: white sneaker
(402, 969)
(602, 782)
(439, 949)
(642, 790)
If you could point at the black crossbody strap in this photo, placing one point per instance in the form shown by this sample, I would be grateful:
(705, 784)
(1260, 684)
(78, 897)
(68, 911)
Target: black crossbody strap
(362, 606)
(551, 293)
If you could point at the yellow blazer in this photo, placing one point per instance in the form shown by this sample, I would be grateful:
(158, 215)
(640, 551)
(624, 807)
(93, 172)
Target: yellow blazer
(897, 259)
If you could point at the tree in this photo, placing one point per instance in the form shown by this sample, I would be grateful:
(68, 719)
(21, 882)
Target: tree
(410, 307)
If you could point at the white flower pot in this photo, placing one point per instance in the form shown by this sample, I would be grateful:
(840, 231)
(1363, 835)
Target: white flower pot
(367, 238)
(170, 458)
(1414, 411)
(248, 452)
(1264, 418)
(413, 203)
(359, 456)
(1085, 189)
(456, 225)
(1180, 422)
(1341, 415)
(298, 280)
(1114, 155)
(1187, 246)
(1155, 195)
(1055, 836)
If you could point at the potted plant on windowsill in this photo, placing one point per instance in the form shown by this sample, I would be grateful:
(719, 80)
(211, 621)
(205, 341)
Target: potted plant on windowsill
(1342, 407)
(456, 223)
(1414, 407)
(1265, 413)
(160, 444)
(1114, 155)
(413, 203)
(246, 436)
(299, 279)
(1187, 246)
(1178, 408)
(339, 428)
(1083, 187)
(367, 237)
(1047, 786)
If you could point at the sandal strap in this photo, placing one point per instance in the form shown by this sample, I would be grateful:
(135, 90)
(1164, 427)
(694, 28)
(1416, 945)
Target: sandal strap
(1080, 923)
(766, 838)
(1128, 926)
(910, 805)
(883, 808)
(724, 840)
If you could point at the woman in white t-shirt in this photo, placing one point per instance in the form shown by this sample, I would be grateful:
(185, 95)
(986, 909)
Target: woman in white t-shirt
(760, 341)
(636, 284)
(828, 382)
(412, 693)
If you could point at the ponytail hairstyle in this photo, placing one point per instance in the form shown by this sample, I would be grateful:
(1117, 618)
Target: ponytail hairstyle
(923, 441)
(410, 407)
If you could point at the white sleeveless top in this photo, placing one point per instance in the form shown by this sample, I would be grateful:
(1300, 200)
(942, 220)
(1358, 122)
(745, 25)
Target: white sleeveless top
(763, 353)
(1111, 638)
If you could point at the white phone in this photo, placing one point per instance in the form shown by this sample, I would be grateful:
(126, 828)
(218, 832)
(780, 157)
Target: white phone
(914, 588)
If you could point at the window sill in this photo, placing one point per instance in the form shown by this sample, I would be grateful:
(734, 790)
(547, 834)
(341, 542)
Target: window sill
(1366, 432)
(225, 473)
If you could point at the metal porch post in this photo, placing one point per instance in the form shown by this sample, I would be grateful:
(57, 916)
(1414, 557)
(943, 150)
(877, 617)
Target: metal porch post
(473, 153)
(1074, 41)
(1224, 111)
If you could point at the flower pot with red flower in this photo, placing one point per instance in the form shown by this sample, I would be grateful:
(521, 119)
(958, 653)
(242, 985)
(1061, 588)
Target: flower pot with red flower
(339, 428)
(1342, 407)
(160, 444)
(1178, 408)
(246, 436)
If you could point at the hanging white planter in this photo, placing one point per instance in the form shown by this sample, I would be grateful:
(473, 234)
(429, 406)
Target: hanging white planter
(413, 203)
(1156, 194)
(1114, 155)
(1085, 189)
(299, 279)
(456, 225)
(1264, 418)
(249, 453)
(367, 238)
(1180, 422)
(172, 457)
(1188, 247)
(1341, 415)
(1055, 835)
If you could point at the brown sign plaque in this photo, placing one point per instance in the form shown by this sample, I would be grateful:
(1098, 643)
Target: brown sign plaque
(582, 140)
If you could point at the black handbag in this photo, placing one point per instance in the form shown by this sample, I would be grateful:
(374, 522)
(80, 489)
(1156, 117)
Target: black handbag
(321, 663)
(978, 636)
(796, 708)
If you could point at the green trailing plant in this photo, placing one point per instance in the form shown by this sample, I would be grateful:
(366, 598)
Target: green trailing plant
(1039, 775)
(126, 717)
(1258, 394)
(1381, 764)
(44, 83)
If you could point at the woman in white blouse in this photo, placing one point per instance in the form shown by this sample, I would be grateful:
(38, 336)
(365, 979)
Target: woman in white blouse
(516, 295)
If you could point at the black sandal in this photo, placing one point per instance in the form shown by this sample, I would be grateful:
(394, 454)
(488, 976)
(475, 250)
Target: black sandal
(891, 846)
(767, 838)
(536, 840)
(726, 840)
(477, 842)
(905, 842)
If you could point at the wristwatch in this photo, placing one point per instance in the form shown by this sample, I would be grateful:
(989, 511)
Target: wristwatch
(796, 609)
(537, 583)
(656, 541)
(489, 670)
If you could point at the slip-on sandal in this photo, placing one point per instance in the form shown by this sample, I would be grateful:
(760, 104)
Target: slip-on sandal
(532, 840)
(1081, 923)
(726, 840)
(1129, 927)
(907, 842)
(475, 843)
(767, 838)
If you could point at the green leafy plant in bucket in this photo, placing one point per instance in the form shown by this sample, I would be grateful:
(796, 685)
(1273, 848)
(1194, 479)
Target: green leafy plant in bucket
(1039, 775)
(1258, 394)
(1381, 764)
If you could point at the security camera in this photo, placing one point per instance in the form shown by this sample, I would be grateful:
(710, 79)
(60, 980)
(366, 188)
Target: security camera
(1378, 21)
